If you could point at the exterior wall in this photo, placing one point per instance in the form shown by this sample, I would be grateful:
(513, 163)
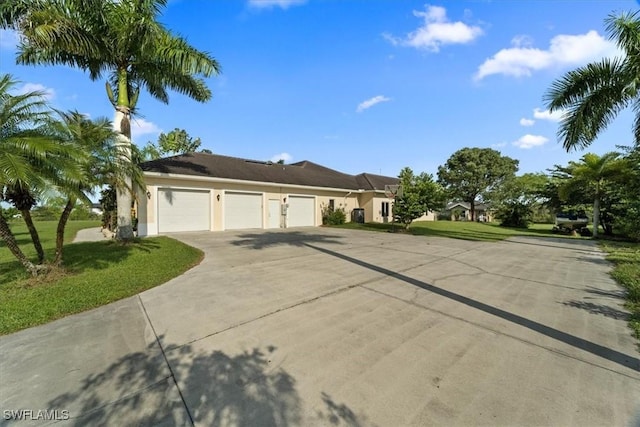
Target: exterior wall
(429, 216)
(376, 209)
(147, 209)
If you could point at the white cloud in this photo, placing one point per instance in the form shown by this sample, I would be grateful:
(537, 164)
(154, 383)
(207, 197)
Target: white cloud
(436, 31)
(564, 50)
(9, 39)
(267, 4)
(49, 93)
(371, 102)
(529, 141)
(282, 156)
(526, 122)
(556, 116)
(141, 127)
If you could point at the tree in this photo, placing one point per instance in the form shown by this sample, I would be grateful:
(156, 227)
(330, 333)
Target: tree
(175, 142)
(591, 176)
(516, 199)
(473, 173)
(592, 96)
(121, 38)
(32, 159)
(420, 194)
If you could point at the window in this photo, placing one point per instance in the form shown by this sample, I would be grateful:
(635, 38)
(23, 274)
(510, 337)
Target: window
(385, 209)
(332, 205)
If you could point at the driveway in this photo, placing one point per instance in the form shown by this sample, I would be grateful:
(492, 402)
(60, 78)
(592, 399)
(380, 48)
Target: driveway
(334, 327)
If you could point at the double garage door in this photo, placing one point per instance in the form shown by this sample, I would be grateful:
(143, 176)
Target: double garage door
(190, 210)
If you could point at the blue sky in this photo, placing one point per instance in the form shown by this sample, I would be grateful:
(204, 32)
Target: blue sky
(367, 85)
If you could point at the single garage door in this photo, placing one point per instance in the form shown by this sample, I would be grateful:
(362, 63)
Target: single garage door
(183, 210)
(301, 212)
(242, 210)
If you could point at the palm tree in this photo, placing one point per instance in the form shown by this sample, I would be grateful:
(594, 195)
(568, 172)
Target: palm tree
(591, 173)
(31, 158)
(103, 165)
(122, 39)
(592, 96)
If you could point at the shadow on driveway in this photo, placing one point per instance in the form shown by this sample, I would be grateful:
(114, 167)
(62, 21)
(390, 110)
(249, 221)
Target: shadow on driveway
(217, 388)
(291, 238)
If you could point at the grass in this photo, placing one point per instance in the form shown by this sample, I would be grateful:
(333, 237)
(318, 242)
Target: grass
(626, 271)
(95, 274)
(476, 231)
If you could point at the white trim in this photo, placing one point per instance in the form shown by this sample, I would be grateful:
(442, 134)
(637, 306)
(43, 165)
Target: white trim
(241, 181)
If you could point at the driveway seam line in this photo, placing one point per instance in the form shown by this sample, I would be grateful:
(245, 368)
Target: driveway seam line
(164, 356)
(478, 325)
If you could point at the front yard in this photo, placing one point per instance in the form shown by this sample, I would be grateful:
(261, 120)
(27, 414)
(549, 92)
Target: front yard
(95, 274)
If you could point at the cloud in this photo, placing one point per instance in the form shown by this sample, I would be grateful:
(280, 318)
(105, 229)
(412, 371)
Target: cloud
(526, 122)
(49, 93)
(436, 31)
(141, 127)
(529, 141)
(556, 116)
(9, 39)
(499, 145)
(522, 59)
(268, 4)
(371, 102)
(282, 156)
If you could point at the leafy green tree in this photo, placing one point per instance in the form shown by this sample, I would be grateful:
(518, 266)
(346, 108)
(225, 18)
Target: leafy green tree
(178, 141)
(472, 174)
(518, 198)
(122, 39)
(591, 176)
(592, 96)
(420, 194)
(32, 159)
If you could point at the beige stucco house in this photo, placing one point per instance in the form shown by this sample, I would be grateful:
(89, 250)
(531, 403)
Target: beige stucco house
(461, 211)
(206, 192)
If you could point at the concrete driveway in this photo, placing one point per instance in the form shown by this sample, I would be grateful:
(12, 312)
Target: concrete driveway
(335, 327)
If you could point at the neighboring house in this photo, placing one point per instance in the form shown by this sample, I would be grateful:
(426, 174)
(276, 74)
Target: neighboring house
(461, 211)
(199, 191)
(96, 208)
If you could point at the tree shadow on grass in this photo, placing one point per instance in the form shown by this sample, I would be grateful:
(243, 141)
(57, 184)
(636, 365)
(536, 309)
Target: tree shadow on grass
(600, 309)
(290, 238)
(79, 257)
(192, 387)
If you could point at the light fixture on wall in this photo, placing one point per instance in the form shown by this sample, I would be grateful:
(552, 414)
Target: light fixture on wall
(218, 197)
(284, 200)
(148, 195)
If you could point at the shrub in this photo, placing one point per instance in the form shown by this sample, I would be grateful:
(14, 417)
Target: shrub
(514, 214)
(335, 216)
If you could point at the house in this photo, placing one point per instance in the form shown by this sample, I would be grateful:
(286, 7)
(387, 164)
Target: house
(200, 191)
(461, 211)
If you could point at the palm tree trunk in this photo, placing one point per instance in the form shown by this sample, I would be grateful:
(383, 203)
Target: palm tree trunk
(596, 215)
(35, 238)
(123, 194)
(9, 239)
(62, 223)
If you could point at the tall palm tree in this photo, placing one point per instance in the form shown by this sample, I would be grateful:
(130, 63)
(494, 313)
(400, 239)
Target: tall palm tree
(31, 157)
(591, 173)
(122, 39)
(592, 96)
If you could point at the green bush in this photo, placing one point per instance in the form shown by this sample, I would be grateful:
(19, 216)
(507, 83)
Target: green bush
(514, 214)
(333, 216)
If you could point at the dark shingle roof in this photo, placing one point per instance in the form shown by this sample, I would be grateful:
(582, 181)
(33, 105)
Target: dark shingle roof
(301, 173)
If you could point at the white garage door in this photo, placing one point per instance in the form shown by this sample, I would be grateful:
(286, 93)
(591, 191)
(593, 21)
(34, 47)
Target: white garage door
(183, 210)
(301, 212)
(242, 210)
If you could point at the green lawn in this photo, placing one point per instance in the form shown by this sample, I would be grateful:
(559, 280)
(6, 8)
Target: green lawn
(97, 273)
(477, 231)
(626, 271)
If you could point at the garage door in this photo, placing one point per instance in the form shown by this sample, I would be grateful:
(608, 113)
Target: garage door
(183, 210)
(242, 210)
(301, 212)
